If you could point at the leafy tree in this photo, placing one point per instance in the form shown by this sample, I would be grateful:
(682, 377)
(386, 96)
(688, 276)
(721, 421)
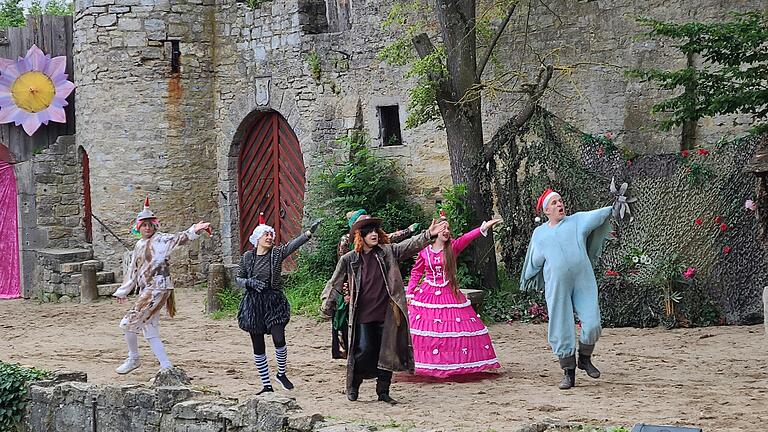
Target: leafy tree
(448, 46)
(11, 14)
(51, 7)
(733, 78)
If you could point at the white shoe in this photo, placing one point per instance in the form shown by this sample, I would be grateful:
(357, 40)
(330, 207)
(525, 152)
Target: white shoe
(128, 365)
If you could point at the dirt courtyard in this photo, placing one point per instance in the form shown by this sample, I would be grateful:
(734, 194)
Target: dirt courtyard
(714, 378)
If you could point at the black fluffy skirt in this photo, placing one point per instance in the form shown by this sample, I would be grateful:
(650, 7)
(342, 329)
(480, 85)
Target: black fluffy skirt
(260, 311)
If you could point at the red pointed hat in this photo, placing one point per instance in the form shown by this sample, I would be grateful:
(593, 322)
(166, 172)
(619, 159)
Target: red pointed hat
(146, 213)
(262, 221)
(544, 199)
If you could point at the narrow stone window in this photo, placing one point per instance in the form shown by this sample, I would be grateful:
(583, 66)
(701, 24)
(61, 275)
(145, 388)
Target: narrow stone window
(175, 57)
(389, 125)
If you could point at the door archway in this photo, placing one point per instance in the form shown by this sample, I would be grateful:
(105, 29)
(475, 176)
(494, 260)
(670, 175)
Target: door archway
(271, 178)
(87, 209)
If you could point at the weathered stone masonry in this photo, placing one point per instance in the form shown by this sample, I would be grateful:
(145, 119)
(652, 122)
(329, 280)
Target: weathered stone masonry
(176, 135)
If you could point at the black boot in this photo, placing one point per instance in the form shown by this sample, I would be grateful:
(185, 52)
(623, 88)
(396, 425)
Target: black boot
(382, 388)
(585, 360)
(354, 389)
(569, 372)
(569, 379)
(585, 364)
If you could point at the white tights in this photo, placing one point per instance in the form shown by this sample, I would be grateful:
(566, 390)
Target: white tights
(154, 343)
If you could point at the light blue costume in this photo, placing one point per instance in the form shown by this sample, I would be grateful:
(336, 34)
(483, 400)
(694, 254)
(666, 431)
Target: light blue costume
(560, 261)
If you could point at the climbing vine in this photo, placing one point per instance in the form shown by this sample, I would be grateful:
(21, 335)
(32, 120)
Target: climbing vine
(13, 392)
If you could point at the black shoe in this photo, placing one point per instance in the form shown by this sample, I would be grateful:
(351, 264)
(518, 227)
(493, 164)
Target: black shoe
(284, 381)
(266, 389)
(585, 364)
(384, 397)
(352, 394)
(569, 379)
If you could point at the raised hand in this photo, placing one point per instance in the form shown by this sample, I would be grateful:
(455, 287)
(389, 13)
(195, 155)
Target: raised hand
(489, 224)
(315, 224)
(437, 227)
(202, 226)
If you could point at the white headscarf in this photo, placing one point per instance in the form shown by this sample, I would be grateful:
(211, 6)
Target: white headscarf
(258, 232)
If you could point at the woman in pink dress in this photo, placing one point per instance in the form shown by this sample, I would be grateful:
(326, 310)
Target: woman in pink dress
(449, 338)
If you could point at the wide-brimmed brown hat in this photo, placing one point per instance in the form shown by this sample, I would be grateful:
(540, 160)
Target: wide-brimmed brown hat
(364, 221)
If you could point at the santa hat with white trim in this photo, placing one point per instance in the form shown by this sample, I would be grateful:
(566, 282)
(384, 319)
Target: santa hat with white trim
(543, 200)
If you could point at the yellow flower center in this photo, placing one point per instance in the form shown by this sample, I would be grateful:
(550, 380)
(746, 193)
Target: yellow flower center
(33, 91)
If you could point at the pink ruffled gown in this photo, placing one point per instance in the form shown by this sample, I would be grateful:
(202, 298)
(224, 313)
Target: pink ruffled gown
(449, 338)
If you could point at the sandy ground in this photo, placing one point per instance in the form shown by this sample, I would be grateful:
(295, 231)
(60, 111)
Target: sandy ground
(714, 378)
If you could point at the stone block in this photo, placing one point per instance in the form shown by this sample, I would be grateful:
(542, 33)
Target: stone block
(303, 422)
(130, 24)
(154, 25)
(106, 20)
(172, 377)
(187, 409)
(167, 397)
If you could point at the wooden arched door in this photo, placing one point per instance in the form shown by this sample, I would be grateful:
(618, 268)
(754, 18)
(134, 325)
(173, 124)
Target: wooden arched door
(270, 178)
(87, 210)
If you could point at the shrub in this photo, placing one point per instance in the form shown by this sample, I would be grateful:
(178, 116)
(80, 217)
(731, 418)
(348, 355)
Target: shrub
(363, 181)
(13, 392)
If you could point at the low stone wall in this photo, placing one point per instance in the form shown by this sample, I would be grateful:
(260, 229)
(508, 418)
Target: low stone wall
(69, 404)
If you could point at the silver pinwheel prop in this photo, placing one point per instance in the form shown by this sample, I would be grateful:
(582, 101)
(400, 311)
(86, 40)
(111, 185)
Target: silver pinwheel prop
(621, 202)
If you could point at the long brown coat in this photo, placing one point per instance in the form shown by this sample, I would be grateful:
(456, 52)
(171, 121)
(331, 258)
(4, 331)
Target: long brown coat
(396, 352)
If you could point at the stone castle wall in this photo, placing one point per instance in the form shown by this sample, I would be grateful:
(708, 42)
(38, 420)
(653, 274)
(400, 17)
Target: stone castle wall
(147, 129)
(176, 135)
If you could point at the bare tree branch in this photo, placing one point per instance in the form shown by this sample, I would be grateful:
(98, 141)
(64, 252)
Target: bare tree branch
(535, 91)
(495, 40)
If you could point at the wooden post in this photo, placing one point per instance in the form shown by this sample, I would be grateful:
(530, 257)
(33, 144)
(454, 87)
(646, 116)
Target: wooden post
(88, 289)
(765, 309)
(216, 283)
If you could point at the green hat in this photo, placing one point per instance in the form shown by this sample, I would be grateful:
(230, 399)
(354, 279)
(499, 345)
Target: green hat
(353, 216)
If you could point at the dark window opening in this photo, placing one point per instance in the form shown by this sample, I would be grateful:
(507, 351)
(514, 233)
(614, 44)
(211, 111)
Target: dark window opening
(175, 57)
(325, 16)
(389, 125)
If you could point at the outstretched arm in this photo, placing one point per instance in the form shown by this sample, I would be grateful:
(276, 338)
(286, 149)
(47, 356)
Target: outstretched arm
(403, 234)
(293, 245)
(408, 248)
(590, 220)
(462, 242)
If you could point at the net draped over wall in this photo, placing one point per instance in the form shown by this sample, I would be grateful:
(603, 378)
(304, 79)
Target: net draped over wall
(690, 214)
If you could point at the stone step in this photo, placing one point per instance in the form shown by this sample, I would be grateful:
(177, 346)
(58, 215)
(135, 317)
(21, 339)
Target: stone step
(58, 256)
(76, 267)
(108, 289)
(102, 277)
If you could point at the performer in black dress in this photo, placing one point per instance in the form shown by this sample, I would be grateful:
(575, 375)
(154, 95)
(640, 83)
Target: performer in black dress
(264, 308)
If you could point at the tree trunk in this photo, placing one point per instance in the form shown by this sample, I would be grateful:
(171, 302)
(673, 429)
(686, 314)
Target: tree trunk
(460, 107)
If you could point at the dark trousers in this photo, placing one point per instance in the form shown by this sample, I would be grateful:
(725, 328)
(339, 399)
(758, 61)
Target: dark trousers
(339, 342)
(366, 352)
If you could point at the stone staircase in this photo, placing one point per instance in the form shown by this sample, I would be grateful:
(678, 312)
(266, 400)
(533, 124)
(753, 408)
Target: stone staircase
(58, 274)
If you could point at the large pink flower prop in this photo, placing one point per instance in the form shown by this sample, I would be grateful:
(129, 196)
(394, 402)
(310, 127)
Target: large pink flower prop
(34, 90)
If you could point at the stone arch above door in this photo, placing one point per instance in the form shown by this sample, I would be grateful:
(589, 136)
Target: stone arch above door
(267, 174)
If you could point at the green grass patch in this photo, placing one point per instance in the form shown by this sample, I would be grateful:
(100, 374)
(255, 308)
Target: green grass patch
(229, 301)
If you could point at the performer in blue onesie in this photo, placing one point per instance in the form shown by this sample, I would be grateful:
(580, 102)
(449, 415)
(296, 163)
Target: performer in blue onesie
(560, 257)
